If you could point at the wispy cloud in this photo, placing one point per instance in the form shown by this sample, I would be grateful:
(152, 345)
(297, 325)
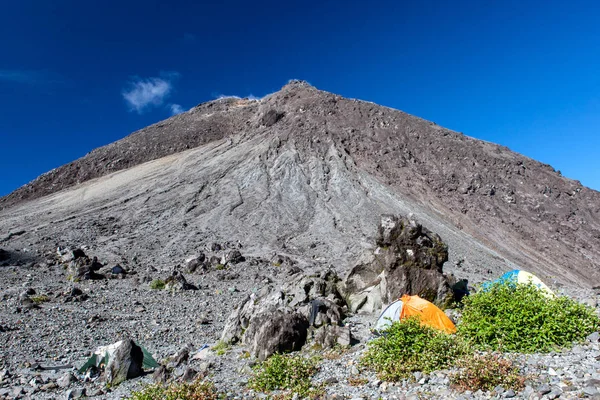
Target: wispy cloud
(20, 76)
(176, 109)
(224, 96)
(144, 93)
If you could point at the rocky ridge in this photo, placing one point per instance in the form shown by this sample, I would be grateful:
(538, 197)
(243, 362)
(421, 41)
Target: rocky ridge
(520, 208)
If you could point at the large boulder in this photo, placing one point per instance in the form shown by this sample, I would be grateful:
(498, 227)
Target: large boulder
(284, 318)
(81, 267)
(177, 282)
(409, 259)
(125, 363)
(276, 332)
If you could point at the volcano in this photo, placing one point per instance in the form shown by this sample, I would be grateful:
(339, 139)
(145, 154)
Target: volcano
(307, 173)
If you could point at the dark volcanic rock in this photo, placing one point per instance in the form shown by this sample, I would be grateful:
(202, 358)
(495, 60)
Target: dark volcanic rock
(178, 282)
(408, 261)
(4, 255)
(276, 332)
(281, 319)
(404, 242)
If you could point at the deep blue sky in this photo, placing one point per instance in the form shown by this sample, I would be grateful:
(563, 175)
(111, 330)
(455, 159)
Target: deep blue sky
(525, 74)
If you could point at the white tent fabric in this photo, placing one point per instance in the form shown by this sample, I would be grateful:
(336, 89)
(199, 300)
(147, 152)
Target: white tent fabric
(391, 313)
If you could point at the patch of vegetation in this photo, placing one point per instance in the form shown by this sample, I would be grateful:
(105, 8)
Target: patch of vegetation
(157, 284)
(220, 348)
(39, 299)
(197, 390)
(290, 372)
(485, 372)
(357, 381)
(407, 347)
(219, 267)
(522, 318)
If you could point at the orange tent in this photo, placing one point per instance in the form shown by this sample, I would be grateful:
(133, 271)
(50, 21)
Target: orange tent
(407, 306)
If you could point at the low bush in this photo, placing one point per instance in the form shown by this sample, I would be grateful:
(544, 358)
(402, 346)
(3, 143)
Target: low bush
(220, 348)
(291, 372)
(407, 347)
(485, 372)
(42, 298)
(522, 318)
(197, 390)
(157, 284)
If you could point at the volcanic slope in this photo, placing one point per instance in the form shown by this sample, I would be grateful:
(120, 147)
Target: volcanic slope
(306, 173)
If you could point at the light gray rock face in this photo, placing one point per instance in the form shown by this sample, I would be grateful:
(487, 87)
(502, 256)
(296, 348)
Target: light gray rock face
(125, 363)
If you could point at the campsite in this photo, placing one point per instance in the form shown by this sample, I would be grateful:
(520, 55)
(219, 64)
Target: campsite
(300, 338)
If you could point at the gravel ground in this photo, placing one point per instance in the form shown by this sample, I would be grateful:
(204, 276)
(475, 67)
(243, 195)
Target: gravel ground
(40, 346)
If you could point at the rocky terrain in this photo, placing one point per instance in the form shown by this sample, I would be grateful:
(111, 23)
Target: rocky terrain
(239, 196)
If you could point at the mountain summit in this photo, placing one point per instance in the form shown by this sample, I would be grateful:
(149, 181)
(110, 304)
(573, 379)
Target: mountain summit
(307, 173)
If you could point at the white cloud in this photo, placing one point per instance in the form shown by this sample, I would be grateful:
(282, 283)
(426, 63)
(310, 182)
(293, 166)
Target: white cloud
(142, 94)
(224, 96)
(176, 109)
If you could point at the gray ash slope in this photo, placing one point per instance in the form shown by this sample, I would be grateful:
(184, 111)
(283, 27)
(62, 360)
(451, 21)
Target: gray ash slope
(307, 173)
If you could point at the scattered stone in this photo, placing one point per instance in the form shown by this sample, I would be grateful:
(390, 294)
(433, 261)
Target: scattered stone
(544, 389)
(66, 380)
(189, 375)
(118, 270)
(76, 393)
(178, 282)
(594, 337)
(590, 391)
(554, 394)
(195, 262)
(181, 357)
(161, 375)
(233, 256)
(48, 386)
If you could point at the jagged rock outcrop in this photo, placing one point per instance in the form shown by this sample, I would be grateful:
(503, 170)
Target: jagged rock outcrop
(282, 319)
(408, 260)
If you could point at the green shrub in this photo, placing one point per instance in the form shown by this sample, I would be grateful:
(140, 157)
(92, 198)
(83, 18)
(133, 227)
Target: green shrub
(485, 372)
(42, 298)
(197, 390)
(286, 372)
(158, 284)
(522, 318)
(220, 348)
(408, 346)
